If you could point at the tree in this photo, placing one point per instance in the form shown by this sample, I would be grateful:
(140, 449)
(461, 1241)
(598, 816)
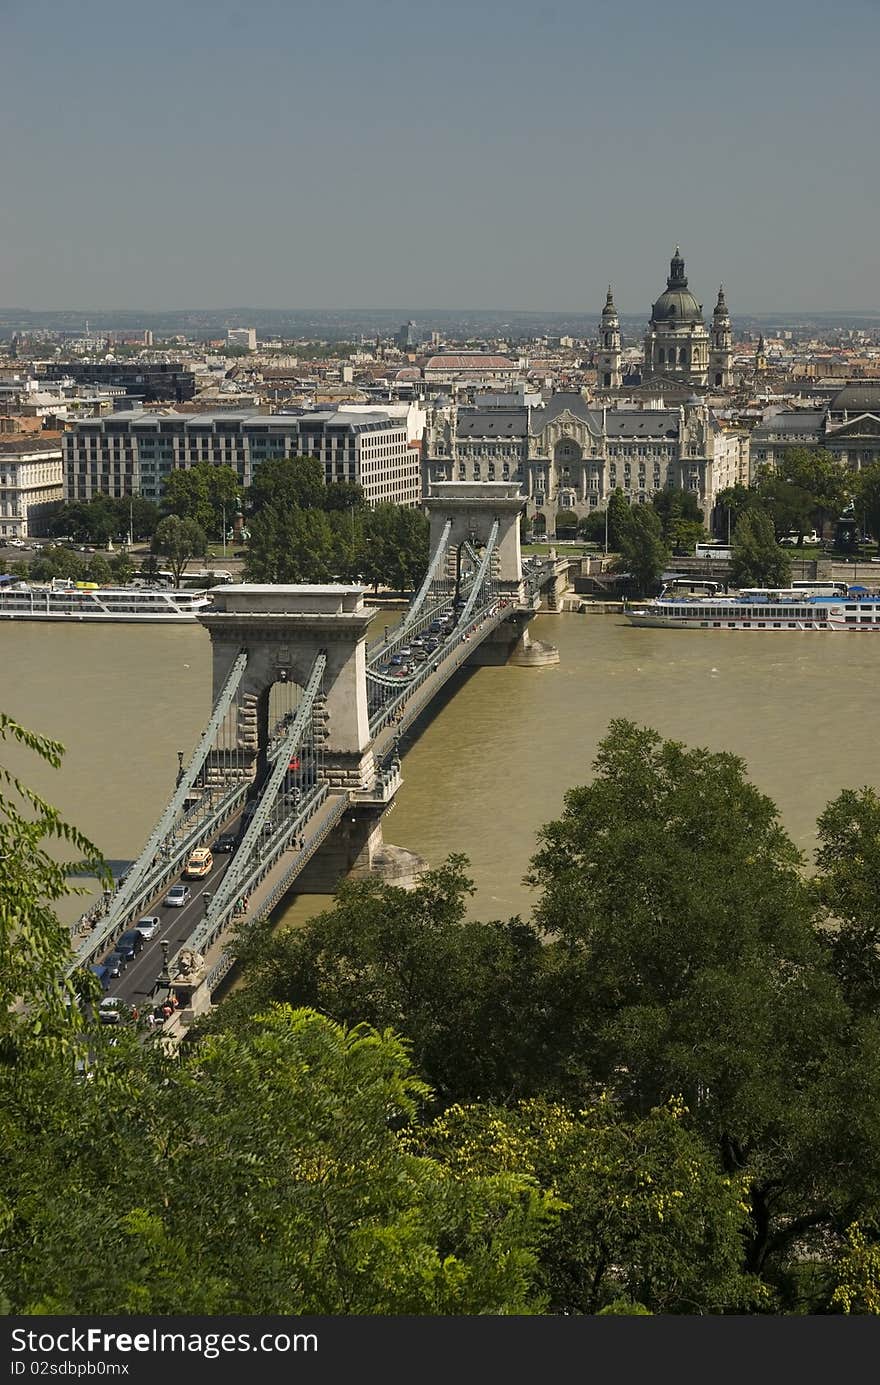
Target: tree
(37, 1006)
(98, 570)
(287, 482)
(179, 541)
(204, 493)
(474, 1001)
(678, 897)
(729, 505)
(641, 548)
(618, 519)
(675, 508)
(757, 561)
(867, 498)
(821, 477)
(789, 506)
(646, 1214)
(272, 1178)
(121, 568)
(848, 868)
(289, 544)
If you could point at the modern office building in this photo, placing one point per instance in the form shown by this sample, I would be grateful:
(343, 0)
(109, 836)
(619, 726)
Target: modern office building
(151, 381)
(30, 480)
(242, 336)
(132, 453)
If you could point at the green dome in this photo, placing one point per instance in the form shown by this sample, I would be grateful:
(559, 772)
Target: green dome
(677, 304)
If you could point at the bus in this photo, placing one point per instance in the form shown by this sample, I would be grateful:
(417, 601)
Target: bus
(821, 588)
(715, 552)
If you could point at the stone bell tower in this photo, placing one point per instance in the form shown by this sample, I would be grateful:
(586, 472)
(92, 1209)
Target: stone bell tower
(721, 347)
(609, 354)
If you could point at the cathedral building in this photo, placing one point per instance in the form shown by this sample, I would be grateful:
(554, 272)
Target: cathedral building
(680, 351)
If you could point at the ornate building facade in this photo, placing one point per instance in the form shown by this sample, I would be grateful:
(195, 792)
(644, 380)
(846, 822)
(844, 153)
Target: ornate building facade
(568, 456)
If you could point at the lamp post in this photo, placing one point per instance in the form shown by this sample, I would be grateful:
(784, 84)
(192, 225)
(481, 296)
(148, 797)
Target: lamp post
(606, 526)
(223, 503)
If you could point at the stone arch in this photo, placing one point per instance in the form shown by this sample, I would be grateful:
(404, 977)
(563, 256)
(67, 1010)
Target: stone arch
(567, 452)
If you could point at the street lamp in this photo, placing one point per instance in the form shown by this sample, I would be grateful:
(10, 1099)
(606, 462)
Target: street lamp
(223, 503)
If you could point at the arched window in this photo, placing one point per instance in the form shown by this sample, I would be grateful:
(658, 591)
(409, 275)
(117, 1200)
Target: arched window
(682, 357)
(661, 357)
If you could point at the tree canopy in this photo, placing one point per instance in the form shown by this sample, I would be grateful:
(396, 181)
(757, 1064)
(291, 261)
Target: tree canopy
(757, 561)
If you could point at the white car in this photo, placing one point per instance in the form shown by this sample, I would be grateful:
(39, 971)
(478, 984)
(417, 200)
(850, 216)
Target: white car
(177, 896)
(149, 926)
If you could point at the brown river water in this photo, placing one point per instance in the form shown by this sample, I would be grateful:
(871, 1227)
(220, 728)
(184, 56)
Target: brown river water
(494, 762)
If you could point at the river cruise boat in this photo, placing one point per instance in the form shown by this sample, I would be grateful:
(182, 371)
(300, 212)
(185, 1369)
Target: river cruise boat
(759, 610)
(85, 601)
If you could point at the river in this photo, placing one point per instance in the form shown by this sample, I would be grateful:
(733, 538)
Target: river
(494, 762)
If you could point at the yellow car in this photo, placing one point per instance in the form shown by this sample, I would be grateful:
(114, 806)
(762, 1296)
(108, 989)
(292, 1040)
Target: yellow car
(199, 864)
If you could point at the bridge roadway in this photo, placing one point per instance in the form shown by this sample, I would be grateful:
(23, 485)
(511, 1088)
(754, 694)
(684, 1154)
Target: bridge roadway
(139, 980)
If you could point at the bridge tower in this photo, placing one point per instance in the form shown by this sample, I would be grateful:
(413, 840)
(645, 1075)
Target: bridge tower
(472, 509)
(283, 629)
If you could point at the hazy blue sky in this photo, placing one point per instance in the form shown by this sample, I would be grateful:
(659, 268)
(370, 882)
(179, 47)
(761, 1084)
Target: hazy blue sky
(474, 153)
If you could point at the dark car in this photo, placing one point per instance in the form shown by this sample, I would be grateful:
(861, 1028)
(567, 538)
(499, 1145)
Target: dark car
(100, 970)
(130, 943)
(114, 965)
(227, 841)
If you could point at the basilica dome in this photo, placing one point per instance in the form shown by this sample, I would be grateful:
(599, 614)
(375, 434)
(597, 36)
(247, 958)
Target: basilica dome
(677, 304)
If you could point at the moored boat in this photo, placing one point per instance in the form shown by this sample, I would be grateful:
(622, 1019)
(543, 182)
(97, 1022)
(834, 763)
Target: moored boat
(89, 602)
(758, 611)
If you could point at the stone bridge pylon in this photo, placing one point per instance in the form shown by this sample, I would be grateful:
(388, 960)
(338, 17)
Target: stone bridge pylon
(283, 629)
(472, 510)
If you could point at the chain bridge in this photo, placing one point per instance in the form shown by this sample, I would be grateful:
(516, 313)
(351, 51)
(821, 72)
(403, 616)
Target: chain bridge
(301, 755)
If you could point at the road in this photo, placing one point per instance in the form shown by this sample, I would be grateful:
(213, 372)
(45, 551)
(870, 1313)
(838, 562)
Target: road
(138, 980)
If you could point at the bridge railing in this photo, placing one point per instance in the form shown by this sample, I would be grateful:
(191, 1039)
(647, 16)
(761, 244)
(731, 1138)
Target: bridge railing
(168, 867)
(253, 840)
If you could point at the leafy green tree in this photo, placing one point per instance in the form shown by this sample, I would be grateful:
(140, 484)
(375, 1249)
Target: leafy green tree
(55, 561)
(343, 495)
(820, 476)
(203, 493)
(673, 508)
(867, 497)
(618, 519)
(729, 505)
(286, 483)
(857, 1273)
(37, 1009)
(641, 548)
(121, 568)
(789, 506)
(179, 541)
(757, 561)
(289, 544)
(272, 1177)
(592, 527)
(848, 868)
(98, 570)
(566, 523)
(675, 891)
(480, 1005)
(646, 1214)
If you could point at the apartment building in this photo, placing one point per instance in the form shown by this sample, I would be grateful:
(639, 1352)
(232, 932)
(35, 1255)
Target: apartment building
(131, 453)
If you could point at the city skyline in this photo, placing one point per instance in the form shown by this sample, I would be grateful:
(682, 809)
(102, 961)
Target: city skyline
(350, 157)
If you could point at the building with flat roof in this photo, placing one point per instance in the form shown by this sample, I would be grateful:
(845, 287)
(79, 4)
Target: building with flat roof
(30, 480)
(133, 453)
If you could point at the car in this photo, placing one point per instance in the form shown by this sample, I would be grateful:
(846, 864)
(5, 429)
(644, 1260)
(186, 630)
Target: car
(200, 864)
(177, 896)
(149, 926)
(132, 937)
(435, 627)
(114, 1010)
(431, 645)
(102, 973)
(395, 661)
(115, 964)
(406, 652)
(227, 841)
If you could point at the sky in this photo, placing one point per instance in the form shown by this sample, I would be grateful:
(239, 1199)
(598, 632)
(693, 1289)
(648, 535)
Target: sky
(471, 153)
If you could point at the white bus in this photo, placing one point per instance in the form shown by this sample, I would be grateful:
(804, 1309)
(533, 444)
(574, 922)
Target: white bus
(717, 552)
(821, 588)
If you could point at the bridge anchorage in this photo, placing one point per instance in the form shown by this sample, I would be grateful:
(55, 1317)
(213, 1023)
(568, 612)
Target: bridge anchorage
(301, 755)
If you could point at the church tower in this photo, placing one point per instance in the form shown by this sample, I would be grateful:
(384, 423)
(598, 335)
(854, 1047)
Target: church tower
(676, 342)
(721, 347)
(609, 354)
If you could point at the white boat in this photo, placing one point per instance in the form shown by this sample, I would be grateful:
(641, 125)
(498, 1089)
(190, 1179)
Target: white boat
(88, 602)
(758, 611)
